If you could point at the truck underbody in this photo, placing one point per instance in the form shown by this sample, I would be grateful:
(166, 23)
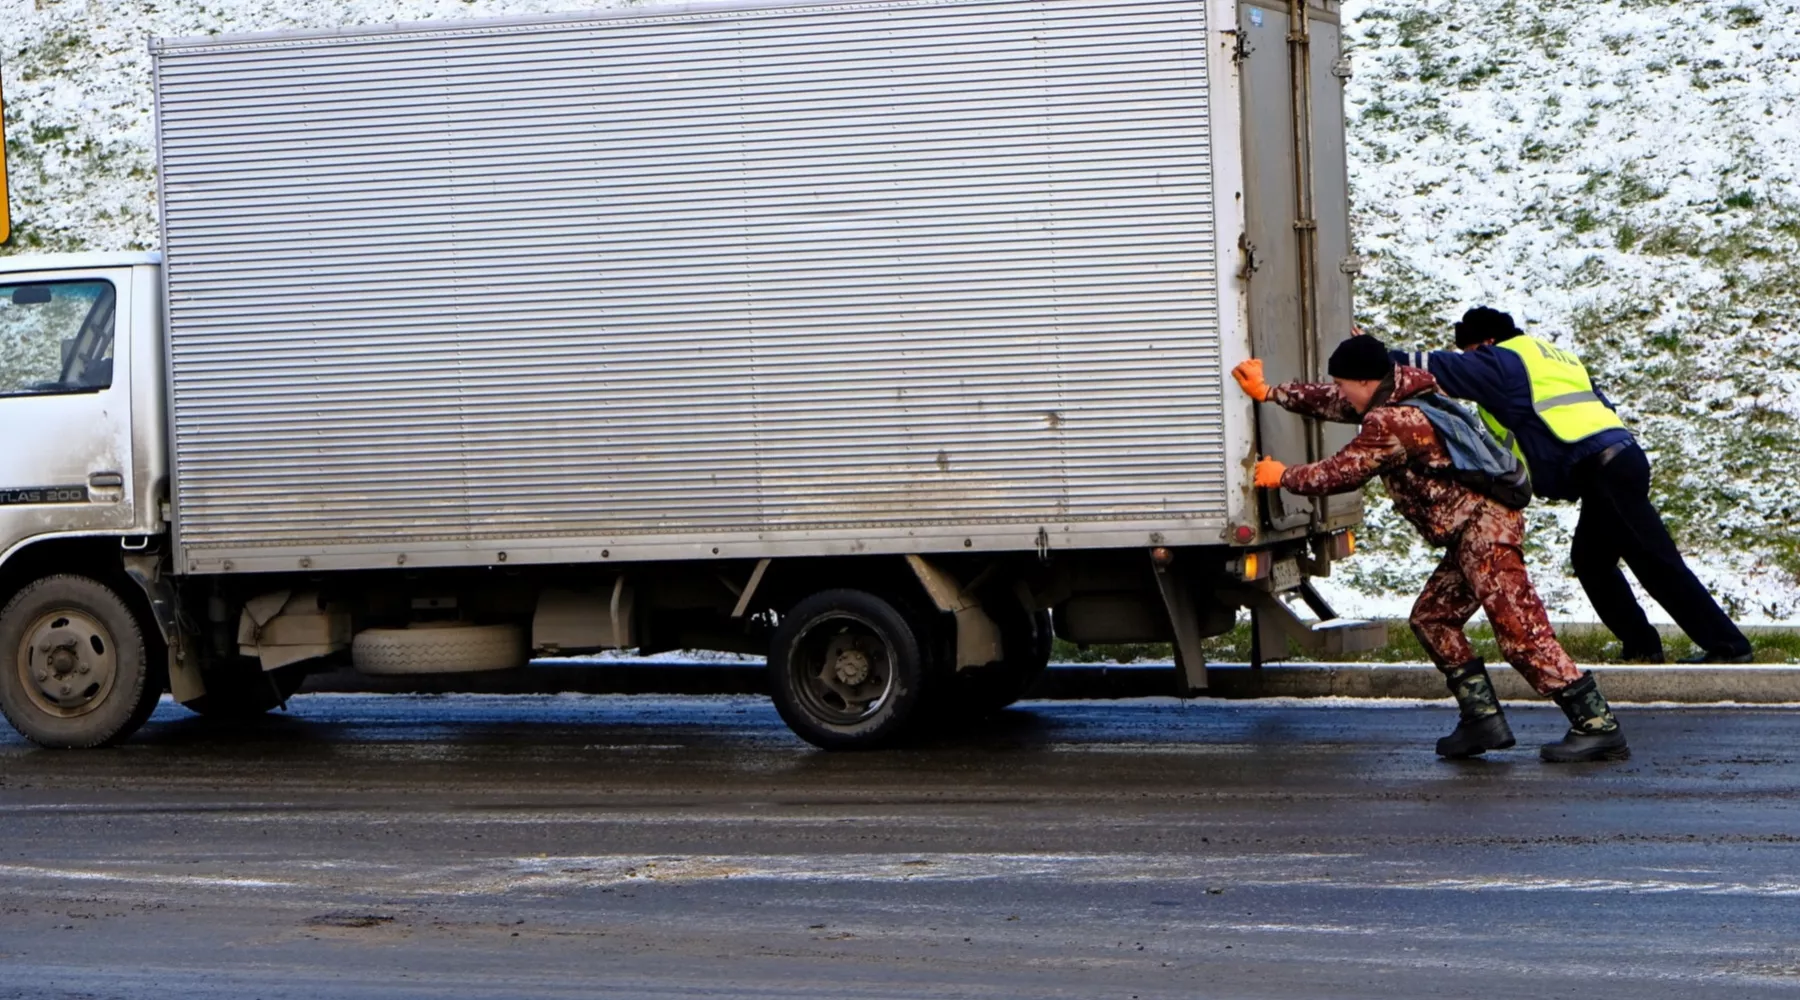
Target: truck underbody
(861, 651)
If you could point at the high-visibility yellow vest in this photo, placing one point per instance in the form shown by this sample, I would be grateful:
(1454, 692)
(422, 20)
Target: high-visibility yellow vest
(1561, 393)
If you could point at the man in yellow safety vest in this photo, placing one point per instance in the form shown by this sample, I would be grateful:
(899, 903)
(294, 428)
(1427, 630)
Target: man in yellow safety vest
(1540, 402)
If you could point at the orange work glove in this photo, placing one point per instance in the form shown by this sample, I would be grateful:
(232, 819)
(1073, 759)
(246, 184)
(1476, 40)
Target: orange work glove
(1249, 375)
(1268, 473)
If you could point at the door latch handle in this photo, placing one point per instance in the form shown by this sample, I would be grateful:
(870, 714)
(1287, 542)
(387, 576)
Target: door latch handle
(106, 481)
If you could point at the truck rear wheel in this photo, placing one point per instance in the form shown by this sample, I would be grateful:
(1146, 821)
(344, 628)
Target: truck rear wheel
(77, 670)
(846, 671)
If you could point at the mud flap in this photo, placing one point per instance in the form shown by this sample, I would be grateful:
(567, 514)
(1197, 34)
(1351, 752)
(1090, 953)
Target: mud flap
(185, 682)
(977, 636)
(1184, 621)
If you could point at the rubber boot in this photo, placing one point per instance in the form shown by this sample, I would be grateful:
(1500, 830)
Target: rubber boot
(1593, 732)
(1483, 725)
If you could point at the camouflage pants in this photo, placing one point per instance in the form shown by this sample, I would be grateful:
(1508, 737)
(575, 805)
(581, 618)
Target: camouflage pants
(1485, 569)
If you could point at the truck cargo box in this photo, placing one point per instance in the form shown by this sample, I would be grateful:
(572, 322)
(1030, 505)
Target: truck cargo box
(728, 280)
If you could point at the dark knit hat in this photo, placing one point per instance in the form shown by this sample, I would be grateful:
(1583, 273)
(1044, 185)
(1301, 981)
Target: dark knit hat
(1483, 324)
(1361, 358)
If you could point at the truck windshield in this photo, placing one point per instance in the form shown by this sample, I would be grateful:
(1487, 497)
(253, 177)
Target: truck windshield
(56, 337)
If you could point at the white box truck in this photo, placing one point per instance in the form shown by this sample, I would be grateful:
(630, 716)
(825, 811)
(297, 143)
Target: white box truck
(882, 337)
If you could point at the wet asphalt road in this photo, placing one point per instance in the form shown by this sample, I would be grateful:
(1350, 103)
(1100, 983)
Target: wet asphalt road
(671, 847)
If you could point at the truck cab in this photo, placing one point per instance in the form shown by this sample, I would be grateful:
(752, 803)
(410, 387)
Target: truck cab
(80, 398)
(82, 479)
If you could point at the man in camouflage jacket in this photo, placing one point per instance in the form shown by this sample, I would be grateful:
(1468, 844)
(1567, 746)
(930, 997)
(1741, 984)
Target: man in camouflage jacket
(1483, 565)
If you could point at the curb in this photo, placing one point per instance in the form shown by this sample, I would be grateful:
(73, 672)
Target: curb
(1748, 684)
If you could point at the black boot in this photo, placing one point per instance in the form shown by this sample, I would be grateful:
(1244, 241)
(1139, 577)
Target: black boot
(1482, 726)
(1745, 655)
(1593, 732)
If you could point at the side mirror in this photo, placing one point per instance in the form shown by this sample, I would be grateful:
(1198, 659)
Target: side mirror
(31, 295)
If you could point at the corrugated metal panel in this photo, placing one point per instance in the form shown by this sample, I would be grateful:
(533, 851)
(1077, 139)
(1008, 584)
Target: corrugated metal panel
(859, 266)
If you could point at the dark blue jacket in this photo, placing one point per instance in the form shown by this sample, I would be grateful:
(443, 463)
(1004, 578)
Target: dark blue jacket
(1498, 381)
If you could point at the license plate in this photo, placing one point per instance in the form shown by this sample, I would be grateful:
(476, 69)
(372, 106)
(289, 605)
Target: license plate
(1285, 575)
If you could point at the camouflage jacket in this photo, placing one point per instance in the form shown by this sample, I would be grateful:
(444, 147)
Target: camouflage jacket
(1398, 444)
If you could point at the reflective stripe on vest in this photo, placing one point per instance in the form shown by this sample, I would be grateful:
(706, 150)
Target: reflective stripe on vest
(1561, 392)
(1507, 439)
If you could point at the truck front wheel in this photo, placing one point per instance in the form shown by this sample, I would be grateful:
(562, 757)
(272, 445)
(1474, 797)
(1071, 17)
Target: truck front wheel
(77, 671)
(846, 671)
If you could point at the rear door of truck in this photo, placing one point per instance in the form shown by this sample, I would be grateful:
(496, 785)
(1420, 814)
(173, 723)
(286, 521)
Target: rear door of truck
(1297, 253)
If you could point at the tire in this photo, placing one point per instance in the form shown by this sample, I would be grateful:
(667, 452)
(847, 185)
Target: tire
(439, 648)
(817, 655)
(1026, 640)
(74, 633)
(243, 690)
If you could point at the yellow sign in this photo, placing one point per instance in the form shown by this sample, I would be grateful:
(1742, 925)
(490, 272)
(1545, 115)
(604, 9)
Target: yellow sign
(5, 196)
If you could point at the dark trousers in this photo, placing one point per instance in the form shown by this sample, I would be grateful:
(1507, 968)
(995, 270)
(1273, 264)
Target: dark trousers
(1618, 522)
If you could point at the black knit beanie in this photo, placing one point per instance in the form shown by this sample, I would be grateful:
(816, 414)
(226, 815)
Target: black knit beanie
(1360, 358)
(1483, 324)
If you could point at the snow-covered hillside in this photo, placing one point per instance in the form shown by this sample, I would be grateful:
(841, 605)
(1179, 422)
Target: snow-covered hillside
(1619, 174)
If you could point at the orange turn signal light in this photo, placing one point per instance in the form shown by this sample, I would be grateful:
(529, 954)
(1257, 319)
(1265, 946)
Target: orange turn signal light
(1254, 565)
